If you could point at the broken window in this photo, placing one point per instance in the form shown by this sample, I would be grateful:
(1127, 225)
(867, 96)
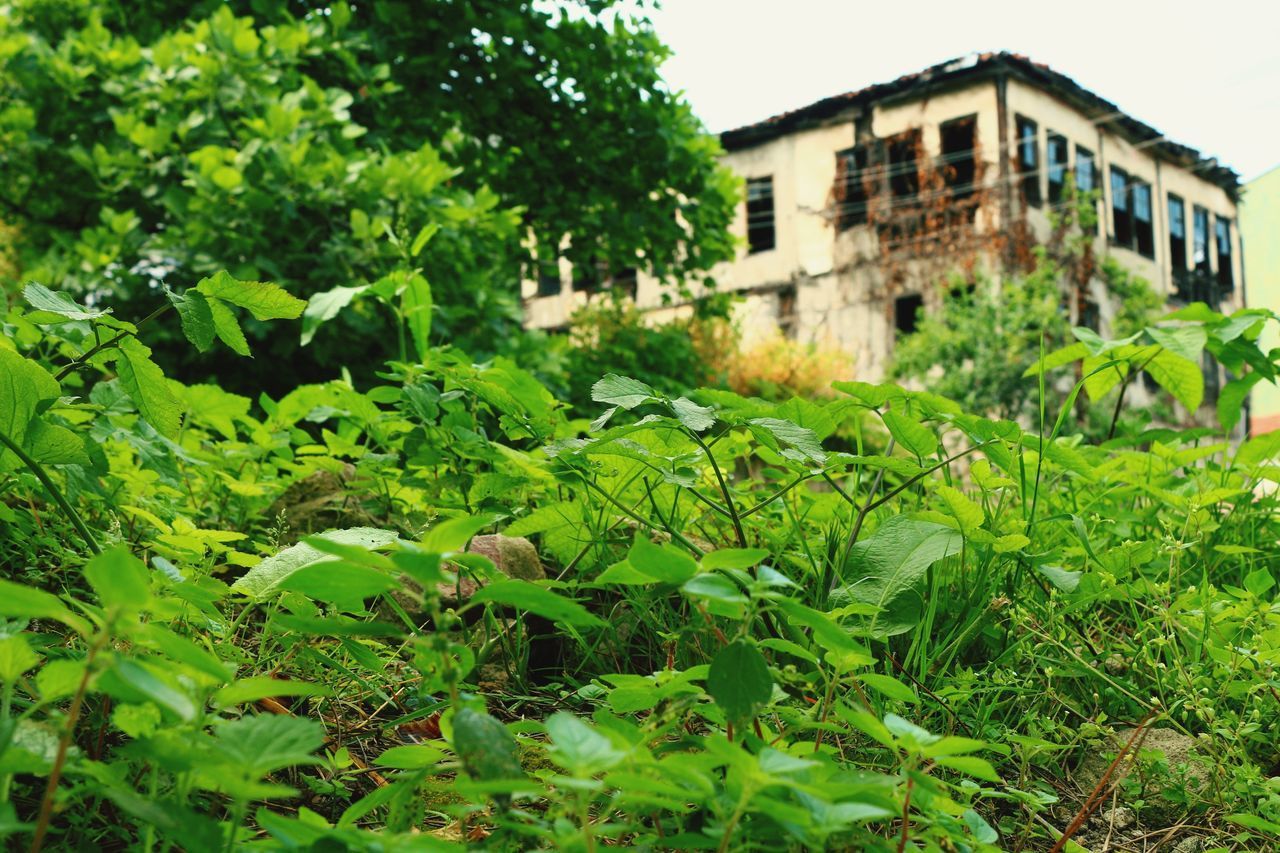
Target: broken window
(1200, 241)
(851, 186)
(787, 311)
(1029, 160)
(906, 312)
(1222, 236)
(588, 276)
(1056, 157)
(904, 172)
(1121, 218)
(959, 168)
(1143, 228)
(760, 219)
(1086, 171)
(549, 277)
(624, 280)
(1178, 242)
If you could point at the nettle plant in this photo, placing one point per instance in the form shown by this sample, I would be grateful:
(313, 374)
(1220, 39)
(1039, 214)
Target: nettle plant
(872, 622)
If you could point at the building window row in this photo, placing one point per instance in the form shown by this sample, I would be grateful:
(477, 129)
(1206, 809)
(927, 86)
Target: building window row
(586, 278)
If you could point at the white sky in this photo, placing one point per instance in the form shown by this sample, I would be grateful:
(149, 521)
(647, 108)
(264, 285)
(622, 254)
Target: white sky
(1206, 74)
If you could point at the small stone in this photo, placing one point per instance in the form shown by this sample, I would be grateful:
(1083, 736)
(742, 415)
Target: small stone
(1189, 845)
(1120, 817)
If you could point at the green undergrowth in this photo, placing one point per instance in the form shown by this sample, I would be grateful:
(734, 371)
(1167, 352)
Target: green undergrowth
(876, 622)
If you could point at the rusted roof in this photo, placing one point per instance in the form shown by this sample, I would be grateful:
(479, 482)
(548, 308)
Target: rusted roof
(978, 66)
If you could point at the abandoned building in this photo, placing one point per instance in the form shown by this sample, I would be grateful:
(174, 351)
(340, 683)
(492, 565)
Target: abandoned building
(860, 208)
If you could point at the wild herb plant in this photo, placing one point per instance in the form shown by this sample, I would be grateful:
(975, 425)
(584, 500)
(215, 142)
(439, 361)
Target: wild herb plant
(874, 622)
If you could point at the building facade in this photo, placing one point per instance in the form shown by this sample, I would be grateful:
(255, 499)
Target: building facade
(861, 208)
(1260, 233)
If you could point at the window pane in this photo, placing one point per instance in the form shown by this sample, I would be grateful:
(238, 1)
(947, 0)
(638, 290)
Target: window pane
(1177, 218)
(760, 218)
(1085, 180)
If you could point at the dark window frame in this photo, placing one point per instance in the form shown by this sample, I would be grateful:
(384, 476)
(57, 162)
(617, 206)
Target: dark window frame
(1144, 230)
(1092, 182)
(1200, 260)
(550, 282)
(904, 323)
(762, 235)
(1028, 159)
(1056, 169)
(1177, 241)
(1223, 259)
(1121, 212)
(959, 172)
(852, 194)
(903, 158)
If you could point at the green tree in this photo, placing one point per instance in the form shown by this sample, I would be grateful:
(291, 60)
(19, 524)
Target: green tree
(313, 144)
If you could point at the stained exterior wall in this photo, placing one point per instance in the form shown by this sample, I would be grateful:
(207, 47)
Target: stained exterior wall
(1260, 227)
(842, 284)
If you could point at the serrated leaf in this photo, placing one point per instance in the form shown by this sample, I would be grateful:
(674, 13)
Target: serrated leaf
(342, 583)
(779, 434)
(966, 513)
(579, 748)
(227, 327)
(265, 578)
(57, 303)
(119, 579)
(739, 680)
(1187, 341)
(1063, 579)
(621, 391)
(1179, 376)
(665, 563)
(23, 385)
(16, 657)
(144, 382)
(887, 570)
(55, 445)
(263, 299)
(695, 418)
(323, 307)
(196, 318)
(1231, 399)
(912, 435)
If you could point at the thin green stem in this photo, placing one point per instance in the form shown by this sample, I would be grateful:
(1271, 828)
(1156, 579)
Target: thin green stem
(54, 492)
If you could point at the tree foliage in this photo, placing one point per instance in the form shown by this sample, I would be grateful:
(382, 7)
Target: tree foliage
(312, 144)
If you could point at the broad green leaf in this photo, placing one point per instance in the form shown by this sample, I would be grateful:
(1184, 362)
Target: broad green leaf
(907, 732)
(1101, 375)
(23, 602)
(793, 441)
(16, 657)
(60, 678)
(120, 580)
(262, 299)
(1250, 821)
(323, 307)
(1187, 341)
(196, 318)
(887, 571)
(345, 584)
(212, 406)
(723, 595)
(1057, 358)
(416, 307)
(622, 392)
(889, 686)
(252, 689)
(49, 306)
(1179, 376)
(424, 236)
(414, 756)
(260, 744)
(1231, 399)
(739, 680)
(227, 327)
(967, 513)
(486, 747)
(144, 382)
(131, 681)
(913, 436)
(1063, 579)
(695, 418)
(55, 445)
(538, 600)
(23, 384)
(827, 634)
(453, 534)
(665, 563)
(265, 578)
(970, 765)
(579, 748)
(873, 395)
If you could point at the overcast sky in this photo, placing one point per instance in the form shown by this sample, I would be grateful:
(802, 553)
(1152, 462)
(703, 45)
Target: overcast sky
(1206, 74)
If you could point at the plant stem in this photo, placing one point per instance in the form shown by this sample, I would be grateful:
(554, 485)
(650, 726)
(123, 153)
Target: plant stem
(54, 492)
(110, 342)
(724, 490)
(64, 743)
